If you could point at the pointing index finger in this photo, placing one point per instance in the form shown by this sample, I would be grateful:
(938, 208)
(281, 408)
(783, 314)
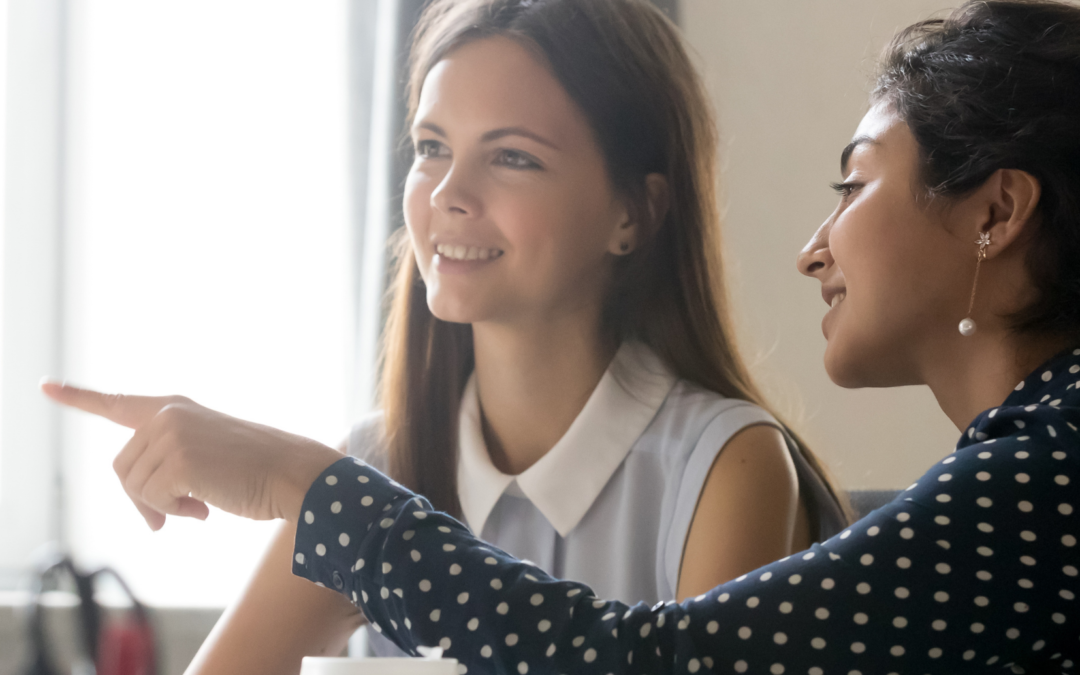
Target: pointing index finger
(124, 409)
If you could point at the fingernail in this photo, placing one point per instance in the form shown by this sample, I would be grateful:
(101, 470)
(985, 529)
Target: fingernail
(47, 380)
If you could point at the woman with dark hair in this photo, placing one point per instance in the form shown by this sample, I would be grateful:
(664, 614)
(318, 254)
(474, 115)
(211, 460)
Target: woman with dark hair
(950, 261)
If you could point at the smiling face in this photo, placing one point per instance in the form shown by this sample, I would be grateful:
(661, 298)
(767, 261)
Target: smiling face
(896, 272)
(508, 204)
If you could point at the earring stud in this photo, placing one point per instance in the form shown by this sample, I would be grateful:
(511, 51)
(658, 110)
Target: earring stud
(624, 247)
(967, 325)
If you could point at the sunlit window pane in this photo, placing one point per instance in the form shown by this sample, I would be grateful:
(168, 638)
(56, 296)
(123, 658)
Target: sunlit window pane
(207, 253)
(3, 145)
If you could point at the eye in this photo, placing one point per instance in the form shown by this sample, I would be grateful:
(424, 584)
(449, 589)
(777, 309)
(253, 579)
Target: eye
(428, 149)
(845, 190)
(515, 159)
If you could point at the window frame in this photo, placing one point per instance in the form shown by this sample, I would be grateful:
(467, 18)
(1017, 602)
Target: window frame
(31, 328)
(42, 37)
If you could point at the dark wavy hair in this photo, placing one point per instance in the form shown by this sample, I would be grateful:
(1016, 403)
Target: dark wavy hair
(996, 85)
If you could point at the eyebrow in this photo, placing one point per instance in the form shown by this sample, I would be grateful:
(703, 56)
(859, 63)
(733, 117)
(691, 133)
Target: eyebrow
(495, 134)
(846, 154)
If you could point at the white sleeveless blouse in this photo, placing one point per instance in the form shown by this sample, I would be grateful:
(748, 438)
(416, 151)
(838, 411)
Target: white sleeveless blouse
(625, 477)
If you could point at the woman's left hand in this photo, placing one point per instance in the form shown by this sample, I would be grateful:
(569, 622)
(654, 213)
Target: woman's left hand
(184, 456)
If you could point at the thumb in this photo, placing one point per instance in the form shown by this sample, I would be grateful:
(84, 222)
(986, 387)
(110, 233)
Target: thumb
(126, 410)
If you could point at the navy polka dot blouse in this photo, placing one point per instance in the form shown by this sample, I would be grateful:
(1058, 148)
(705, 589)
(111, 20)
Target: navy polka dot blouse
(974, 568)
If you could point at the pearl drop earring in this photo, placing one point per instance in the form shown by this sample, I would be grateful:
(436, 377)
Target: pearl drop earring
(967, 325)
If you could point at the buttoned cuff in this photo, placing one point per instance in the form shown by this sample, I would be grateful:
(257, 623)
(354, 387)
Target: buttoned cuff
(339, 510)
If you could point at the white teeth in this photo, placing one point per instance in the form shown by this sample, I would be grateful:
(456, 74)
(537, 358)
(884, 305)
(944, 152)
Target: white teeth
(838, 298)
(461, 252)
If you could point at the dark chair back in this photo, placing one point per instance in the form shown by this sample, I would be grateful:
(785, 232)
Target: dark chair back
(865, 501)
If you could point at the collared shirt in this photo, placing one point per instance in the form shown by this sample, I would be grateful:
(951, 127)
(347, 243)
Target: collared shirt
(565, 483)
(973, 568)
(612, 502)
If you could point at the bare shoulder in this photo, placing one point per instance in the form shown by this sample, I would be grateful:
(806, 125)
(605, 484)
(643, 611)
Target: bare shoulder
(754, 471)
(760, 445)
(747, 513)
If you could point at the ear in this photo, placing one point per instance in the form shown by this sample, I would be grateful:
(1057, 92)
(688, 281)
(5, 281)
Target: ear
(1010, 201)
(637, 226)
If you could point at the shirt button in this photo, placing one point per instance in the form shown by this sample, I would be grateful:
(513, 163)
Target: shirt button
(659, 605)
(338, 582)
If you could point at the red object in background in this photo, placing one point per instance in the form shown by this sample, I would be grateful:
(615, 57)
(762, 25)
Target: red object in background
(126, 647)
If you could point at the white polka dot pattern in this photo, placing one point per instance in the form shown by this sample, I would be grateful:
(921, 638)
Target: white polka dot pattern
(976, 565)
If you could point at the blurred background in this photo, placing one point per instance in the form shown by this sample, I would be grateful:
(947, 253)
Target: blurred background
(196, 197)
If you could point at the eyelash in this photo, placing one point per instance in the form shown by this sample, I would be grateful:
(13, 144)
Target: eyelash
(844, 189)
(528, 165)
(423, 147)
(513, 159)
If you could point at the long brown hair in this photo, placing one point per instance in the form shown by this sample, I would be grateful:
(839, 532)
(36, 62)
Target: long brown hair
(624, 64)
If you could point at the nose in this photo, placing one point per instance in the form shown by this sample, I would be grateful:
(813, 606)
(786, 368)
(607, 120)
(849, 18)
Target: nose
(816, 258)
(455, 195)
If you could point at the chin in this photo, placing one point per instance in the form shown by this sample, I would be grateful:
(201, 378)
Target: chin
(864, 364)
(455, 315)
(841, 372)
(453, 310)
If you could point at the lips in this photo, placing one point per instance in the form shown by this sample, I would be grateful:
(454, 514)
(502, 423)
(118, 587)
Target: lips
(833, 295)
(462, 252)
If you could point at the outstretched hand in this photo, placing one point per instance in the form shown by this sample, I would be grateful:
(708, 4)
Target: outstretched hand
(184, 456)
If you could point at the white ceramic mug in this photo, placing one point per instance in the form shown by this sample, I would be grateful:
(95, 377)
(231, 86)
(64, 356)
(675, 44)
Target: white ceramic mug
(320, 665)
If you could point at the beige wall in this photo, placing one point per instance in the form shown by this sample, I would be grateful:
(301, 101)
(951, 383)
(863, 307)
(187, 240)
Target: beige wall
(789, 79)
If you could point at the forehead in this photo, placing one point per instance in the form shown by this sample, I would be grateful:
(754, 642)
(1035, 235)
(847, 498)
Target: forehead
(496, 82)
(877, 121)
(883, 135)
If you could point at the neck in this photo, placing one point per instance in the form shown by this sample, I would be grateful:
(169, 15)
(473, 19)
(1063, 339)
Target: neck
(982, 371)
(533, 382)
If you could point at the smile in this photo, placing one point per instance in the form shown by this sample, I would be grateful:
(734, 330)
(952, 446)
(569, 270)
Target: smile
(837, 299)
(461, 252)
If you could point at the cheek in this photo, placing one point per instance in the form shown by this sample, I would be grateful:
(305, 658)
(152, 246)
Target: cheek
(416, 205)
(562, 243)
(570, 219)
(540, 231)
(871, 244)
(895, 264)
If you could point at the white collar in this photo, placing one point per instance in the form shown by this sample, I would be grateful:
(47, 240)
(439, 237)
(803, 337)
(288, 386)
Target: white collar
(566, 481)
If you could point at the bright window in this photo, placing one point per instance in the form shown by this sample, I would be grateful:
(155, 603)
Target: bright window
(207, 252)
(3, 145)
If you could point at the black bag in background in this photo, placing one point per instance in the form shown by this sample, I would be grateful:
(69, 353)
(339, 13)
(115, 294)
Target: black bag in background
(115, 647)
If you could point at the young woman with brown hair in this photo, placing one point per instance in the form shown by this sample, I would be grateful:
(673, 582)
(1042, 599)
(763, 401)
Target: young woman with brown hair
(560, 369)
